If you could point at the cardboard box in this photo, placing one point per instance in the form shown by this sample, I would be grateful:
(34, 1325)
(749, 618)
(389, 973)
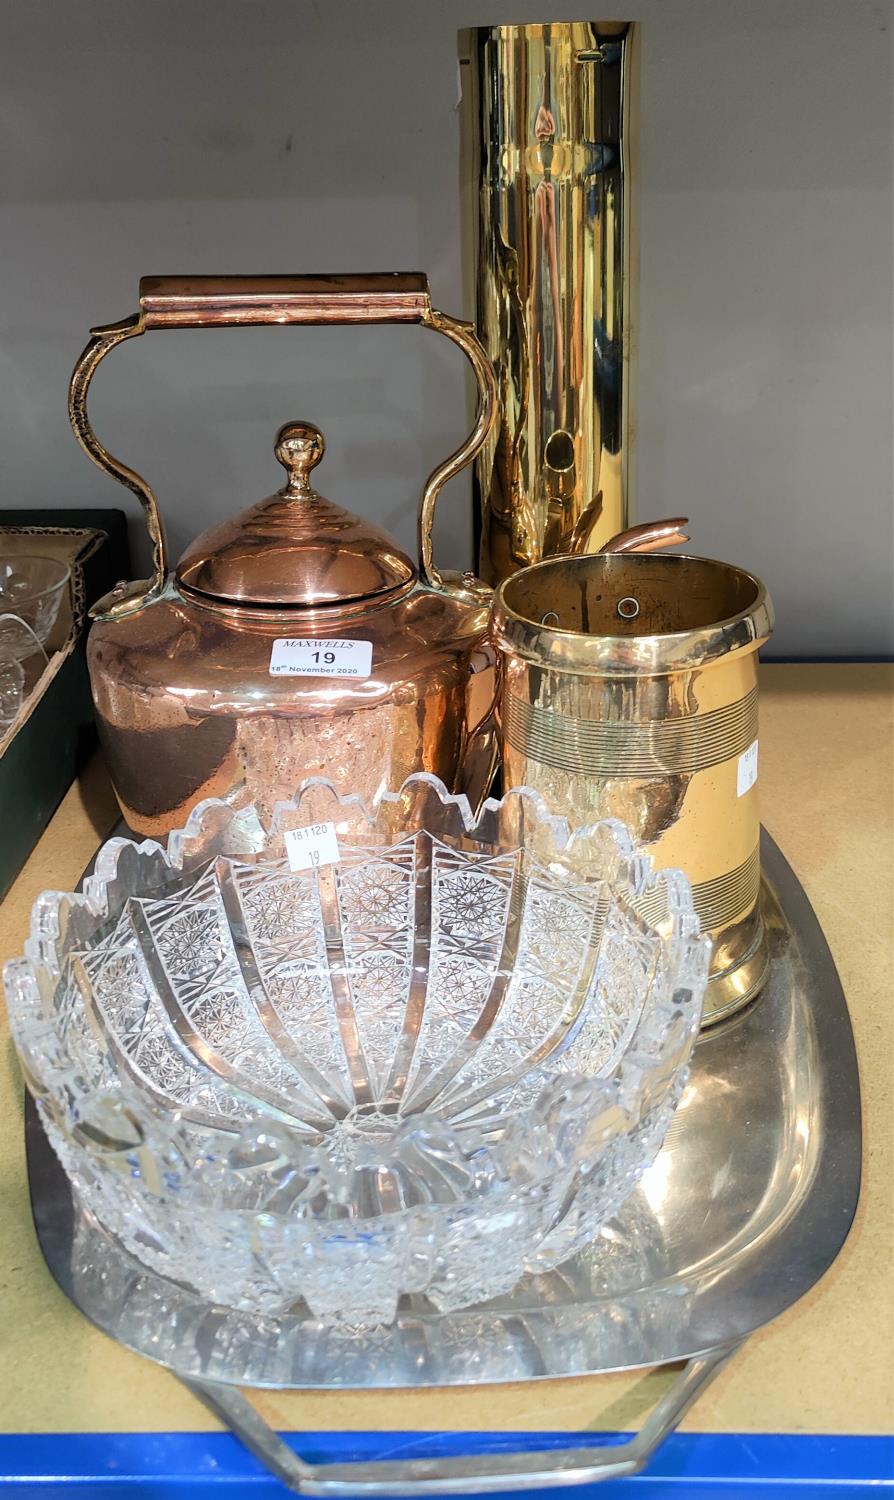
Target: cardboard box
(42, 751)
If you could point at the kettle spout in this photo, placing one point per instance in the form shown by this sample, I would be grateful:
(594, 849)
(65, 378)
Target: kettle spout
(651, 536)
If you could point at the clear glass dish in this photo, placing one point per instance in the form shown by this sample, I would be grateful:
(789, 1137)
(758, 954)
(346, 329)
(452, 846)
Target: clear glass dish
(31, 590)
(12, 691)
(441, 1061)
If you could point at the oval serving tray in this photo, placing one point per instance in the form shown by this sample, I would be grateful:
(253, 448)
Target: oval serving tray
(746, 1207)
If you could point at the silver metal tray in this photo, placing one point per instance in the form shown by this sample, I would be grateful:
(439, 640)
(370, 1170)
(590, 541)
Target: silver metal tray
(746, 1207)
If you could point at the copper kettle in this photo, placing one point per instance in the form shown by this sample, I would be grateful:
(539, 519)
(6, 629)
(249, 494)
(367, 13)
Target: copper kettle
(295, 640)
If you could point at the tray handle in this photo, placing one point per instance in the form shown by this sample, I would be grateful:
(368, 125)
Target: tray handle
(475, 1474)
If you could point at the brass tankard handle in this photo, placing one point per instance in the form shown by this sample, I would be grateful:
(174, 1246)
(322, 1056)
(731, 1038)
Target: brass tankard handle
(240, 301)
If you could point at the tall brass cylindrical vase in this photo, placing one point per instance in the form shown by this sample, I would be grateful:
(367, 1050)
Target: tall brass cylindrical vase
(548, 120)
(629, 690)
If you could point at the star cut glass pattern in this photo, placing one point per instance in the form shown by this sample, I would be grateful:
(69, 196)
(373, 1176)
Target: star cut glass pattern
(426, 1070)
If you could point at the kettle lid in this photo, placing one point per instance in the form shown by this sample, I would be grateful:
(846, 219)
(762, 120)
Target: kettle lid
(295, 549)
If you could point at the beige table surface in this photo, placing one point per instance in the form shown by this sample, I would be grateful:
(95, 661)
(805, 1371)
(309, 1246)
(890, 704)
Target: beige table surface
(826, 1366)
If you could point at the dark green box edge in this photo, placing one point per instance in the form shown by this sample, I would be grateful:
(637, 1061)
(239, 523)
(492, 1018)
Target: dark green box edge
(44, 758)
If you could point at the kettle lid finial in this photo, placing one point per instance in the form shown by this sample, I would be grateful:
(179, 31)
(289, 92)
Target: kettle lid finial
(299, 447)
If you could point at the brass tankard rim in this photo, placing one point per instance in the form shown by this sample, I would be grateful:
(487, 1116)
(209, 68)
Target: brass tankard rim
(639, 652)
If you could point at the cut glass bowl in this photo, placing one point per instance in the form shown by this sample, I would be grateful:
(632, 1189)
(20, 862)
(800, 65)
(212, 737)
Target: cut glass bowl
(424, 1069)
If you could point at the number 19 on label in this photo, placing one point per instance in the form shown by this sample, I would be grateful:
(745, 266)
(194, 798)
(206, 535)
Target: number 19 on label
(313, 847)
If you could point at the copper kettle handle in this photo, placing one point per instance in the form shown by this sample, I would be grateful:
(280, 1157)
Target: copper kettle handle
(239, 301)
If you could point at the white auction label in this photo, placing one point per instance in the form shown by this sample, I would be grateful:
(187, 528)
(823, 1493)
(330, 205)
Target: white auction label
(746, 773)
(309, 848)
(298, 656)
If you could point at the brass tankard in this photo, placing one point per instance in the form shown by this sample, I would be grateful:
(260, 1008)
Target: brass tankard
(630, 690)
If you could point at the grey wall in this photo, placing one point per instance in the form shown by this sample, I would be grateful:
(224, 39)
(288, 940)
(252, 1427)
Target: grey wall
(276, 135)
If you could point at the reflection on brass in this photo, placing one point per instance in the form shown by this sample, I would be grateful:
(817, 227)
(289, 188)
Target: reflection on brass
(548, 118)
(180, 664)
(645, 712)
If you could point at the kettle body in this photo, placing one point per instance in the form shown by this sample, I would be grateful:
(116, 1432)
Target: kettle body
(295, 640)
(187, 707)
